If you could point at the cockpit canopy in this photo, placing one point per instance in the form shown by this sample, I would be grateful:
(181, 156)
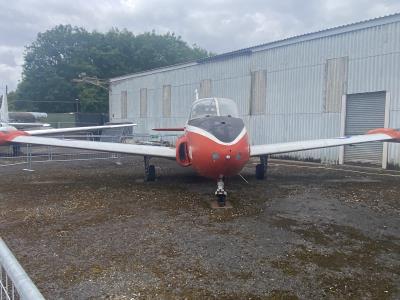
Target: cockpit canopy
(211, 107)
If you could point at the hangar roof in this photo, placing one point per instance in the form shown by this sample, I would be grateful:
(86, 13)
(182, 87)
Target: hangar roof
(275, 44)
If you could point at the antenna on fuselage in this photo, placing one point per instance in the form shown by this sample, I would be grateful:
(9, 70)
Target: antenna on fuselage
(196, 94)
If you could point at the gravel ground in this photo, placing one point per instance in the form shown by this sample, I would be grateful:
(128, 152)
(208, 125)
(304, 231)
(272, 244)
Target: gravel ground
(94, 229)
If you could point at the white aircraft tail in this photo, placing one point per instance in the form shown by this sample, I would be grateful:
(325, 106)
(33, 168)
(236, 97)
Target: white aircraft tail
(4, 109)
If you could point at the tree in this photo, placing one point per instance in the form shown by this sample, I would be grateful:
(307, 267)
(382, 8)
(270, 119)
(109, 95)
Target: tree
(60, 54)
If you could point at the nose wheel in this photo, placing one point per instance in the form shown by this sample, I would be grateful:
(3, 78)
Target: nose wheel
(220, 192)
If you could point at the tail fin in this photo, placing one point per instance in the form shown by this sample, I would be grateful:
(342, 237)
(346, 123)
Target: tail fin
(4, 109)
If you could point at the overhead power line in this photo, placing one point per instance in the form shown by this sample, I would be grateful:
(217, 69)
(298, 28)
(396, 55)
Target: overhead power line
(45, 101)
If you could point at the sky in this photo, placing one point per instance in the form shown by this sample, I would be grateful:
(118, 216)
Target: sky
(216, 25)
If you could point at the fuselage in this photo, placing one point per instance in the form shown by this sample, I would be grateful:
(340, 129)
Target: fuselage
(216, 142)
(217, 146)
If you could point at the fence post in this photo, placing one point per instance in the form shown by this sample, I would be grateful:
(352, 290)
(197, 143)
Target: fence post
(29, 149)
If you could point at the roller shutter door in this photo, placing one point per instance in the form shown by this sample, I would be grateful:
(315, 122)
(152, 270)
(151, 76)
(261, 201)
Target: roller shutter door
(364, 112)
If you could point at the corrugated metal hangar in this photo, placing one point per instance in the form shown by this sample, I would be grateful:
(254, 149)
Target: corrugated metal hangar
(339, 81)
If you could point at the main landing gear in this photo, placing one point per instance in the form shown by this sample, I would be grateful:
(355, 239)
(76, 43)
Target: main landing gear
(149, 170)
(261, 168)
(220, 192)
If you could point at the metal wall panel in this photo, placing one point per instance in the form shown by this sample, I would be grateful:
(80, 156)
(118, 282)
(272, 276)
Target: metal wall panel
(205, 88)
(166, 101)
(364, 112)
(258, 92)
(124, 105)
(336, 83)
(143, 102)
(295, 90)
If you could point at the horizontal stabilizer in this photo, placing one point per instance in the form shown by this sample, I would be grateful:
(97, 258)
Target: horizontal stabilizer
(169, 129)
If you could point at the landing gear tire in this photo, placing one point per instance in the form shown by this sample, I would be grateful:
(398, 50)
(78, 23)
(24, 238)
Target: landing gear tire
(151, 173)
(260, 171)
(221, 200)
(261, 168)
(149, 170)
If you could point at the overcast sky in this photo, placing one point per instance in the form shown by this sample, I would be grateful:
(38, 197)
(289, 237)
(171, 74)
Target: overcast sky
(217, 25)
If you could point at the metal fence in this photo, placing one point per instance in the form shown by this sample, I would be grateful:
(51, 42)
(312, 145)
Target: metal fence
(14, 282)
(27, 155)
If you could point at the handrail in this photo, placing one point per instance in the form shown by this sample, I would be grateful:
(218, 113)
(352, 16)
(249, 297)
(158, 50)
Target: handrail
(24, 286)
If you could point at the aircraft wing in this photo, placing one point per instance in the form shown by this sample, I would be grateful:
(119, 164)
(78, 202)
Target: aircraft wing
(74, 129)
(143, 150)
(377, 135)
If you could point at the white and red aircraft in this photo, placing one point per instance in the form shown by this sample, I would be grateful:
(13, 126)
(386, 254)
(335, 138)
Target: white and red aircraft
(8, 129)
(215, 143)
(4, 116)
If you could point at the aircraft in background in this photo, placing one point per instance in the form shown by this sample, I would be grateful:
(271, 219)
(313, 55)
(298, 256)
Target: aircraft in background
(5, 116)
(27, 119)
(214, 142)
(8, 129)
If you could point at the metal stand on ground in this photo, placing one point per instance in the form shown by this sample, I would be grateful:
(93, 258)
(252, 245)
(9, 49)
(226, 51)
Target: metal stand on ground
(29, 158)
(50, 149)
(118, 157)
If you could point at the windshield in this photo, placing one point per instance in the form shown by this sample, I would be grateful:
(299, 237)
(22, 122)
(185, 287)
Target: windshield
(212, 107)
(204, 108)
(227, 107)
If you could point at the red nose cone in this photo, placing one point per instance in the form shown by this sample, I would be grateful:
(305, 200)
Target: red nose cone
(213, 159)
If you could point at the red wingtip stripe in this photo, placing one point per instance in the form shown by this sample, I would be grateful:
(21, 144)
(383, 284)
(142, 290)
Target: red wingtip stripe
(9, 136)
(395, 134)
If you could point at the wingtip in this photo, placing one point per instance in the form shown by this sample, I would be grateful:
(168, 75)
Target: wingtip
(392, 132)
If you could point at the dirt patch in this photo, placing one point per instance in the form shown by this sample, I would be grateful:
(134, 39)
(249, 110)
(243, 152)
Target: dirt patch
(90, 230)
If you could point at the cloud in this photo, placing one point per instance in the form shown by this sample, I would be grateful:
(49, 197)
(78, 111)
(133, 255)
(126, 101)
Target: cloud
(217, 25)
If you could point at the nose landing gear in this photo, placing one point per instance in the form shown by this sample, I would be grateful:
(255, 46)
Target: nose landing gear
(220, 192)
